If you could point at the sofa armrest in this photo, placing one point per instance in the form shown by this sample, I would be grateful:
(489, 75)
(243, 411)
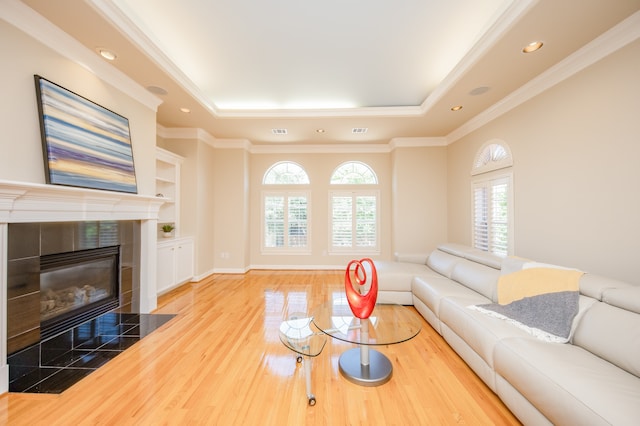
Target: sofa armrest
(420, 258)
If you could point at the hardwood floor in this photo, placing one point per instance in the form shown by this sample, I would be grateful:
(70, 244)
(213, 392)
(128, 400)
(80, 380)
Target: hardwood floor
(220, 361)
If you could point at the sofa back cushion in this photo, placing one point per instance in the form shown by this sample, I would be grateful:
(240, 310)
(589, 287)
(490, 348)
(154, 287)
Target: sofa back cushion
(478, 277)
(626, 298)
(595, 285)
(442, 262)
(612, 333)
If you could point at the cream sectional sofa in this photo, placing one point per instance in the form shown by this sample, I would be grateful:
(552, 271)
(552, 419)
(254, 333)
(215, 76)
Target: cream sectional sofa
(594, 379)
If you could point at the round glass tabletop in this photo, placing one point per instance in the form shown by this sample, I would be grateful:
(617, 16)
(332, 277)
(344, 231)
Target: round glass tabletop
(388, 324)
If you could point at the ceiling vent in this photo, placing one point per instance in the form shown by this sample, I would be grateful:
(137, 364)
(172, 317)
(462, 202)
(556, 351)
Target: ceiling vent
(279, 131)
(359, 130)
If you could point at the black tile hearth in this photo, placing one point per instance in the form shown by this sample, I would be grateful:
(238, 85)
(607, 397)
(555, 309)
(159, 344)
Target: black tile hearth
(53, 365)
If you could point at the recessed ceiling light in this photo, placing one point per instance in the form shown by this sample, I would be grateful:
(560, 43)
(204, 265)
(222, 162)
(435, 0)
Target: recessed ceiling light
(456, 108)
(185, 110)
(532, 47)
(319, 130)
(279, 131)
(107, 54)
(359, 130)
(157, 90)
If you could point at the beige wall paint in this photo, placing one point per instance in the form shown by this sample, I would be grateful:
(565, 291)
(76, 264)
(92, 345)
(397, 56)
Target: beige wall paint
(22, 158)
(230, 210)
(576, 149)
(205, 236)
(419, 199)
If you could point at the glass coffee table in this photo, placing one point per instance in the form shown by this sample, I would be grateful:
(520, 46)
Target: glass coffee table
(387, 325)
(296, 334)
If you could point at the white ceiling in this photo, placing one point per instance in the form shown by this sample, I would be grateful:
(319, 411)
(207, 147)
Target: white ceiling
(245, 67)
(292, 54)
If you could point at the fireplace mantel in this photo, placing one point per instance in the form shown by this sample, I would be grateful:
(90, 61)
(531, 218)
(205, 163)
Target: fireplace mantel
(22, 202)
(31, 202)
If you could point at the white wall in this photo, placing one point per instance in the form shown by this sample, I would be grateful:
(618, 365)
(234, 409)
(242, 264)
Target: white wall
(576, 151)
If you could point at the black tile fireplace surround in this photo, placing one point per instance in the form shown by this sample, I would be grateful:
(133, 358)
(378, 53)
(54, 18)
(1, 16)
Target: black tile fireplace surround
(42, 360)
(28, 243)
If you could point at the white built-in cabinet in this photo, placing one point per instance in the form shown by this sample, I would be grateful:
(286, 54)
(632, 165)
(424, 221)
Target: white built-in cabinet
(175, 257)
(175, 263)
(168, 188)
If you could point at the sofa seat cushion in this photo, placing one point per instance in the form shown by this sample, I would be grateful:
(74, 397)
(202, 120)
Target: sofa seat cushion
(480, 331)
(397, 276)
(568, 384)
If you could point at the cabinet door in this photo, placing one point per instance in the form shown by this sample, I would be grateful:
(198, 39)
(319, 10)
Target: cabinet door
(166, 270)
(184, 261)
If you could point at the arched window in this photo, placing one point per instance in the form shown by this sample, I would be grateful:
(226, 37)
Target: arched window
(492, 199)
(355, 221)
(285, 173)
(353, 172)
(493, 155)
(285, 213)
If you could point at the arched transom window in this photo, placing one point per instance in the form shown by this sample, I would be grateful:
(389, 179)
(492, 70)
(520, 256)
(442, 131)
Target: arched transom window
(492, 155)
(354, 172)
(285, 173)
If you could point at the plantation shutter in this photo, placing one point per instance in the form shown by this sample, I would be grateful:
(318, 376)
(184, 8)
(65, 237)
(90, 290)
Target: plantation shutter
(274, 221)
(354, 221)
(286, 221)
(366, 223)
(491, 215)
(480, 218)
(297, 215)
(342, 221)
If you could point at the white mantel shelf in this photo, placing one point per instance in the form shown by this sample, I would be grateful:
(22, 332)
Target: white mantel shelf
(32, 202)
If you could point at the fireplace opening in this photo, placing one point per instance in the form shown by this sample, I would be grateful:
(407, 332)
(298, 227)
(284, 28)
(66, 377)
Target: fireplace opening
(76, 287)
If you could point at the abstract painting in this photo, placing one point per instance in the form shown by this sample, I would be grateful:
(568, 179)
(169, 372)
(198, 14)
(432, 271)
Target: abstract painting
(84, 144)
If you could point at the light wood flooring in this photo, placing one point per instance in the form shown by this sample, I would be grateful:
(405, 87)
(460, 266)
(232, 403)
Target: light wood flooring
(220, 361)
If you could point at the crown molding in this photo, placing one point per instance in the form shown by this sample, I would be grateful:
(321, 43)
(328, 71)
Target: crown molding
(615, 39)
(417, 142)
(244, 144)
(36, 26)
(202, 135)
(321, 149)
(508, 18)
(184, 133)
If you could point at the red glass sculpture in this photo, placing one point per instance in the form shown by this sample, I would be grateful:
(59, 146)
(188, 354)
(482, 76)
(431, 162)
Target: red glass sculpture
(361, 304)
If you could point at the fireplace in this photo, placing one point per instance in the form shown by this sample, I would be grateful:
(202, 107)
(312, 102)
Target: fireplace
(76, 287)
(38, 220)
(64, 273)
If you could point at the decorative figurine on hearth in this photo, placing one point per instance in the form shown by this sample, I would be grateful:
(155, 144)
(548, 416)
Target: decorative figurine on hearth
(360, 300)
